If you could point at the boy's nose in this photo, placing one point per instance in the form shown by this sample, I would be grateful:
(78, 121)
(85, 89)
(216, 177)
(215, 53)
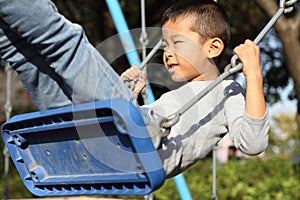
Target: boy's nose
(169, 53)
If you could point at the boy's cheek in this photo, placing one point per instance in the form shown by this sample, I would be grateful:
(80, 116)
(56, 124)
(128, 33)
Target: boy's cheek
(183, 53)
(190, 57)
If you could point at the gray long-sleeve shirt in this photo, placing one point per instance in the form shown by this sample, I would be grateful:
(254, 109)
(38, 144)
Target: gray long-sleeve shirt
(220, 112)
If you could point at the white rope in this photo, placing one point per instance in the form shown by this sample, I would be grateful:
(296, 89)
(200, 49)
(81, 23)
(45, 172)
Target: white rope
(8, 109)
(143, 36)
(214, 173)
(144, 42)
(8, 106)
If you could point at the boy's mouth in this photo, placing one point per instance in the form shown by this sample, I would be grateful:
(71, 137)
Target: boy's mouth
(171, 68)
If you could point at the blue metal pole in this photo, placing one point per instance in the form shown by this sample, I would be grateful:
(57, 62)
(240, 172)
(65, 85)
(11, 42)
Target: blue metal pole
(133, 58)
(126, 39)
(182, 187)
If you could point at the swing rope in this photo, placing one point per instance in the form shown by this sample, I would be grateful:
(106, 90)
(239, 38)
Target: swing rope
(144, 42)
(143, 36)
(214, 195)
(8, 110)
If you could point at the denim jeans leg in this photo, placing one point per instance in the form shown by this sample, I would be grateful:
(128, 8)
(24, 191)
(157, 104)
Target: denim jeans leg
(42, 85)
(62, 52)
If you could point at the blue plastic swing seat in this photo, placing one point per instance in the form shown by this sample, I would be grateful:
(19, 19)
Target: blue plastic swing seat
(97, 148)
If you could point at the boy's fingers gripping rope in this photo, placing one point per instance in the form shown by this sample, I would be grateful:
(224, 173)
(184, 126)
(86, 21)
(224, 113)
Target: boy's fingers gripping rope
(131, 76)
(129, 82)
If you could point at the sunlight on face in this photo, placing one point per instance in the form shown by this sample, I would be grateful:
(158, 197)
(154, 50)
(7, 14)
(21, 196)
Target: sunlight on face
(185, 55)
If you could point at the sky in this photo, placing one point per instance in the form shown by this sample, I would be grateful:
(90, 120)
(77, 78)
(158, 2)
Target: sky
(285, 106)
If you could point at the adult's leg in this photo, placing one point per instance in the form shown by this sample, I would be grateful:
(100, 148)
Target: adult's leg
(42, 84)
(63, 51)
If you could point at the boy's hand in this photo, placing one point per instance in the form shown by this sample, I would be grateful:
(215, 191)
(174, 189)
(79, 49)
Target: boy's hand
(136, 75)
(248, 54)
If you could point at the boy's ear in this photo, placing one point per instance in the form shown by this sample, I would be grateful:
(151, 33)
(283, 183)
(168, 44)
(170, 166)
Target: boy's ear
(215, 47)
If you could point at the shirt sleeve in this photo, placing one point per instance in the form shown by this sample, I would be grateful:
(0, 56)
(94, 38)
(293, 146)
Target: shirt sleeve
(249, 134)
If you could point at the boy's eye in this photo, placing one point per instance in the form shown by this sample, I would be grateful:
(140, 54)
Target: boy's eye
(177, 42)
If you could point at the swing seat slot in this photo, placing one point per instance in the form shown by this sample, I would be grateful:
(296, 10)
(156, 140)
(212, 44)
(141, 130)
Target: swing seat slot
(100, 147)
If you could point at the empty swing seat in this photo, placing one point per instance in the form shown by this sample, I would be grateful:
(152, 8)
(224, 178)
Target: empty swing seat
(96, 148)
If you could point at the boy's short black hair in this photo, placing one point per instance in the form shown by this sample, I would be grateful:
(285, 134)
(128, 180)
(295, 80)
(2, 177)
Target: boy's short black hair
(210, 19)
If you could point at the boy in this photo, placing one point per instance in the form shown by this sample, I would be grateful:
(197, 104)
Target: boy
(58, 67)
(195, 34)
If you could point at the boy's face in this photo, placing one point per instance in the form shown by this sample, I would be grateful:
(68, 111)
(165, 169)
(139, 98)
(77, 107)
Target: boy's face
(185, 55)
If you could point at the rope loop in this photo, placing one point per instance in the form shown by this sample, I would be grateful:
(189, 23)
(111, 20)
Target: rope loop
(144, 39)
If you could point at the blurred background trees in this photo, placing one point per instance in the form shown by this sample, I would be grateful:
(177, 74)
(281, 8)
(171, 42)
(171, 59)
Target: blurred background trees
(279, 49)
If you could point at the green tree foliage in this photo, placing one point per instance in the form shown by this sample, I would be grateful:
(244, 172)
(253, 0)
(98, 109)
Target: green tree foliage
(271, 179)
(251, 179)
(284, 138)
